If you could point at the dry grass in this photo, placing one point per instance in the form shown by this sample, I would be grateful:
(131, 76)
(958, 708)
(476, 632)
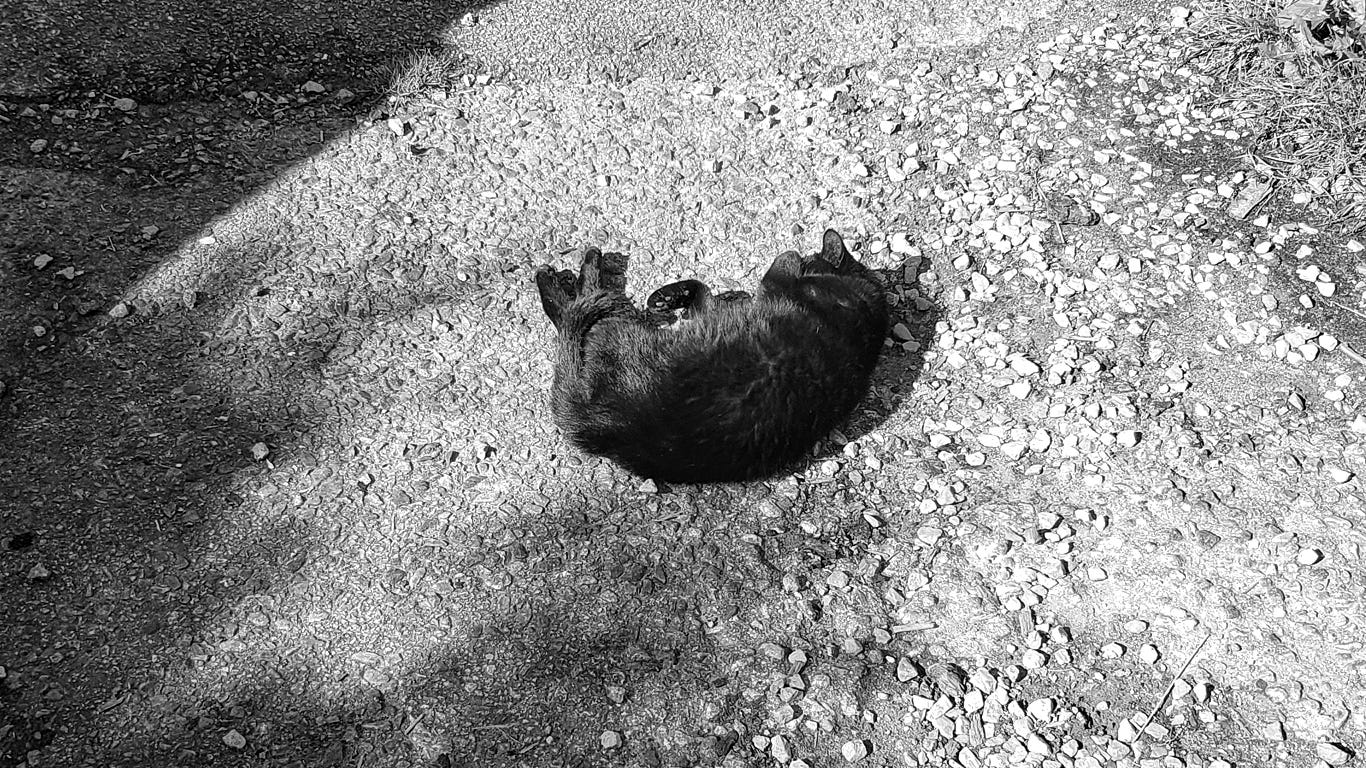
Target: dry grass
(419, 73)
(1304, 85)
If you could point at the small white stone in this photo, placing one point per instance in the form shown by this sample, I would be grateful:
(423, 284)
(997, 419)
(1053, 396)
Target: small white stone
(1308, 556)
(610, 739)
(1149, 653)
(854, 751)
(1041, 709)
(1041, 441)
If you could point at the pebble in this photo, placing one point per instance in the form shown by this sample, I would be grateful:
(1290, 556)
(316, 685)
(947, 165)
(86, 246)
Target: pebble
(855, 751)
(1149, 654)
(610, 739)
(1331, 753)
(1032, 659)
(1126, 732)
(773, 651)
(1308, 556)
(907, 670)
(1040, 442)
(234, 739)
(1338, 474)
(778, 747)
(1041, 709)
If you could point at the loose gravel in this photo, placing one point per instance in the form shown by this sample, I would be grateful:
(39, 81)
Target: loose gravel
(1102, 507)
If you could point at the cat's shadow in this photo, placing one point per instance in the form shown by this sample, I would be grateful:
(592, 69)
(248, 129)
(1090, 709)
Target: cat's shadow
(898, 368)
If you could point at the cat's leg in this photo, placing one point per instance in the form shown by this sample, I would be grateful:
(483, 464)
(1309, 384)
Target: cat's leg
(612, 271)
(730, 296)
(590, 272)
(691, 296)
(554, 296)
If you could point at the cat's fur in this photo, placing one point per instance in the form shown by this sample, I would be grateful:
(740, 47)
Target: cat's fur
(741, 389)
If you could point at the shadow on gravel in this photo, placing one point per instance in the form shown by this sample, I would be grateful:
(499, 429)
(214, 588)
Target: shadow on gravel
(631, 613)
(117, 471)
(126, 128)
(898, 369)
(603, 628)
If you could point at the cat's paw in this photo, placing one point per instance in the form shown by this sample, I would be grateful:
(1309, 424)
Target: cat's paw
(590, 272)
(554, 296)
(684, 294)
(612, 271)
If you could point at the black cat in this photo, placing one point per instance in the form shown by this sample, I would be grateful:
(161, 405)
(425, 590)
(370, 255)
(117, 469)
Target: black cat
(739, 390)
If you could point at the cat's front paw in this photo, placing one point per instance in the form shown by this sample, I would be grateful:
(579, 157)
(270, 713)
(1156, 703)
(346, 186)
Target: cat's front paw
(684, 294)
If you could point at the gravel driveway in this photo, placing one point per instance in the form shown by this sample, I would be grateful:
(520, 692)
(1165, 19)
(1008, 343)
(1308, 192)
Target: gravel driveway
(278, 484)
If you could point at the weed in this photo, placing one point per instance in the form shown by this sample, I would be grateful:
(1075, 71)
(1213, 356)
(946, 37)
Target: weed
(1298, 70)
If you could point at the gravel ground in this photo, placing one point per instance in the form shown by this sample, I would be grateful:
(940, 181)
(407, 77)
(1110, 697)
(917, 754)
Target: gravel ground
(291, 497)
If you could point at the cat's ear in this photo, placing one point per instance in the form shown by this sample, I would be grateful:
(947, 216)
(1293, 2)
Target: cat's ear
(782, 273)
(832, 248)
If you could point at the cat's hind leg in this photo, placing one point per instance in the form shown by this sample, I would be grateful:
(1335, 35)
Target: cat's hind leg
(590, 273)
(612, 272)
(554, 290)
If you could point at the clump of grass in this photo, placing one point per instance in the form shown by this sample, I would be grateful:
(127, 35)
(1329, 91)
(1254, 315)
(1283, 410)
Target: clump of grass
(1298, 68)
(417, 74)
